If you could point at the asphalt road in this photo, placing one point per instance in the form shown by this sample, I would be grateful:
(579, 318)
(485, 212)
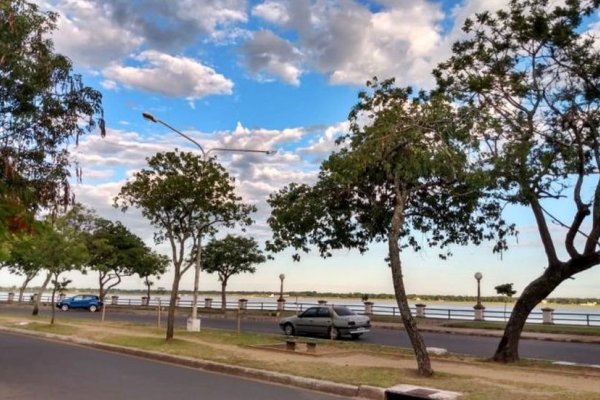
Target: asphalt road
(480, 346)
(41, 369)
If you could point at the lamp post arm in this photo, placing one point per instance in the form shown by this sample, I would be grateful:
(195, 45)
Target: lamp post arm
(204, 154)
(267, 152)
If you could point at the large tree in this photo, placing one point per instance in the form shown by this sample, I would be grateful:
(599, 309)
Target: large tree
(115, 253)
(44, 107)
(185, 198)
(230, 256)
(403, 177)
(531, 73)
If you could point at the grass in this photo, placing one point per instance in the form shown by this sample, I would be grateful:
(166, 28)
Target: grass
(381, 366)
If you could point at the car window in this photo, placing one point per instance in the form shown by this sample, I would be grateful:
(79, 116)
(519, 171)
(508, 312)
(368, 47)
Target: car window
(324, 312)
(343, 311)
(77, 298)
(311, 312)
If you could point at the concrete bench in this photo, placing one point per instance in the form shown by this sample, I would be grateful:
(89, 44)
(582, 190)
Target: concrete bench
(311, 345)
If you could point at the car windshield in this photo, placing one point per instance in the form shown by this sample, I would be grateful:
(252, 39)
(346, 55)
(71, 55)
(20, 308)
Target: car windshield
(343, 311)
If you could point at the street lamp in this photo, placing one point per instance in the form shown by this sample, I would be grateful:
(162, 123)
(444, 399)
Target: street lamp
(478, 277)
(281, 277)
(194, 324)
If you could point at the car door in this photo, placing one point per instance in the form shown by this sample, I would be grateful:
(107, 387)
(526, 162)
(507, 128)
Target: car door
(78, 302)
(305, 322)
(322, 322)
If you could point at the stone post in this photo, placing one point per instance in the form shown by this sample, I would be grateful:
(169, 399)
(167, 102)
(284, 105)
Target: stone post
(145, 300)
(208, 302)
(177, 300)
(322, 302)
(114, 300)
(11, 297)
(280, 304)
(61, 296)
(479, 312)
(548, 315)
(242, 304)
(420, 310)
(368, 307)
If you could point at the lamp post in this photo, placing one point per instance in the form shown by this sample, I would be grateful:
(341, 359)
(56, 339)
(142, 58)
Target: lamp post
(478, 277)
(479, 308)
(193, 321)
(281, 277)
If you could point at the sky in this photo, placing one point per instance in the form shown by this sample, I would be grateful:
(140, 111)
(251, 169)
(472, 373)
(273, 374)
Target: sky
(276, 75)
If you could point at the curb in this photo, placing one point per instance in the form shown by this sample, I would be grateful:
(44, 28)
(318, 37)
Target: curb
(340, 389)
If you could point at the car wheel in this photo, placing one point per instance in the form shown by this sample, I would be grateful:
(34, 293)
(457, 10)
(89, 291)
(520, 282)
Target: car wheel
(356, 335)
(93, 308)
(289, 330)
(334, 333)
(64, 307)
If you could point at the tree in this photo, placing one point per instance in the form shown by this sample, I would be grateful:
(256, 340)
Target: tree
(185, 198)
(231, 256)
(18, 262)
(531, 74)
(115, 252)
(402, 176)
(43, 108)
(58, 247)
(506, 290)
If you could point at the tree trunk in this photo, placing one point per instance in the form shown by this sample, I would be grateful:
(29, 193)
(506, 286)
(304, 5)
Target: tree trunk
(418, 344)
(24, 286)
(36, 305)
(148, 284)
(172, 305)
(223, 295)
(533, 294)
(101, 292)
(52, 303)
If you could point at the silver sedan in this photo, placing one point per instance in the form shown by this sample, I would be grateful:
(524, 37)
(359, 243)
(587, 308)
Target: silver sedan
(333, 321)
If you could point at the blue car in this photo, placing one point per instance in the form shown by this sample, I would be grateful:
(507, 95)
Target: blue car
(87, 301)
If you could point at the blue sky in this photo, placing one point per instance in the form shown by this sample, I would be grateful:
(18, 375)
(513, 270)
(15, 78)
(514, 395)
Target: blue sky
(270, 74)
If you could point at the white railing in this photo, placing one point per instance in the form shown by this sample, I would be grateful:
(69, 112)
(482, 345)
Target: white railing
(560, 317)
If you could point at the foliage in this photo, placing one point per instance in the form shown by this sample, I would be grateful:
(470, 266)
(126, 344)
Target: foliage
(115, 252)
(230, 256)
(505, 289)
(531, 75)
(43, 108)
(185, 198)
(403, 175)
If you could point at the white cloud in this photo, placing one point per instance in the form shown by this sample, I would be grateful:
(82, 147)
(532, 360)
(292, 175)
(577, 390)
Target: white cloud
(88, 36)
(171, 76)
(325, 143)
(272, 11)
(350, 43)
(267, 53)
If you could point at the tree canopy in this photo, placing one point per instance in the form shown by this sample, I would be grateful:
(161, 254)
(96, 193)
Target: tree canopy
(403, 175)
(531, 75)
(230, 256)
(185, 198)
(115, 252)
(44, 107)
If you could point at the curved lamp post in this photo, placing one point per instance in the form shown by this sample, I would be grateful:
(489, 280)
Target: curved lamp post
(195, 322)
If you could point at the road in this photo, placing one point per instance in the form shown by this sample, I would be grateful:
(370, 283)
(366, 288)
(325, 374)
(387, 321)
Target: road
(41, 369)
(480, 346)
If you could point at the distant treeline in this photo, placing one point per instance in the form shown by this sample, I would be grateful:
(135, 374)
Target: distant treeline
(314, 294)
